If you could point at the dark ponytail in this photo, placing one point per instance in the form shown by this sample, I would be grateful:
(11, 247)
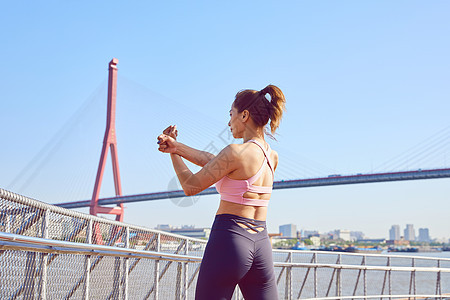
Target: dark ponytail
(278, 103)
(260, 107)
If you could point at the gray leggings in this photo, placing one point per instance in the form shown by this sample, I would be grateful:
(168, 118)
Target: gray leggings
(234, 256)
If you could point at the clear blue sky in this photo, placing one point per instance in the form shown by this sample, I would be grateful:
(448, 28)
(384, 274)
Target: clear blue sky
(365, 82)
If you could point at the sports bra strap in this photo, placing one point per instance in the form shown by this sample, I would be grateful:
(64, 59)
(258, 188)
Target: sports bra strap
(266, 153)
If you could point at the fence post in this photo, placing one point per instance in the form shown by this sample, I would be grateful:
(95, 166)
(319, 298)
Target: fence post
(185, 275)
(389, 276)
(439, 280)
(126, 264)
(178, 285)
(158, 249)
(365, 277)
(412, 280)
(44, 258)
(288, 286)
(338, 277)
(117, 264)
(87, 262)
(315, 275)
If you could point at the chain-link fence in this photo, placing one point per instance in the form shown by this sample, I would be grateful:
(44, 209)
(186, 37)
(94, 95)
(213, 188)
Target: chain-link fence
(47, 252)
(55, 253)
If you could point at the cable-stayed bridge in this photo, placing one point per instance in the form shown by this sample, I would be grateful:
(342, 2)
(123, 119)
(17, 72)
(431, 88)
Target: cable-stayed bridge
(284, 184)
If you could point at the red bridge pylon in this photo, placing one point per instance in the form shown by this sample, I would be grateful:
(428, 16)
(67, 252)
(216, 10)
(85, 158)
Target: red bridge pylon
(111, 142)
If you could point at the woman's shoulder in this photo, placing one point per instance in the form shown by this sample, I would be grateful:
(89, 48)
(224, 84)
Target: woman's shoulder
(248, 150)
(232, 148)
(232, 151)
(248, 153)
(241, 151)
(274, 158)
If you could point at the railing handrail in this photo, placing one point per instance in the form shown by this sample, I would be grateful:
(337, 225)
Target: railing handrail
(361, 254)
(26, 243)
(11, 196)
(362, 267)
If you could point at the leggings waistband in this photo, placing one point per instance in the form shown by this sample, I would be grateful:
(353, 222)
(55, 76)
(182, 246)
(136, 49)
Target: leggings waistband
(249, 228)
(239, 218)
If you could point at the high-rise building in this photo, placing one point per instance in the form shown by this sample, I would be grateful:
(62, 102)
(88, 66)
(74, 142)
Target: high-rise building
(410, 234)
(424, 235)
(343, 234)
(394, 233)
(288, 231)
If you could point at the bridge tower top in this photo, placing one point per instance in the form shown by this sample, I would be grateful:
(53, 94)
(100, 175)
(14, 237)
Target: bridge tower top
(109, 141)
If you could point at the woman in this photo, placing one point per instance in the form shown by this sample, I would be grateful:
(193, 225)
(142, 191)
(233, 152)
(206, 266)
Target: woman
(238, 249)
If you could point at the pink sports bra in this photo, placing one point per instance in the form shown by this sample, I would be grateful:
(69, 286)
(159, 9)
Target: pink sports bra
(232, 190)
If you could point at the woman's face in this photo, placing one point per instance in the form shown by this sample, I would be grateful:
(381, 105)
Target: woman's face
(236, 125)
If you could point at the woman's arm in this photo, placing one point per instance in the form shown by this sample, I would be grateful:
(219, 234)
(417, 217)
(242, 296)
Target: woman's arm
(224, 163)
(198, 157)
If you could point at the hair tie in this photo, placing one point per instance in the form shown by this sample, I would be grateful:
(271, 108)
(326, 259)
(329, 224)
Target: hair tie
(264, 93)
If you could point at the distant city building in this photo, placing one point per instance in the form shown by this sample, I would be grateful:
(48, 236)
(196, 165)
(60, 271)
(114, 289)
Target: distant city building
(315, 241)
(332, 235)
(186, 230)
(164, 227)
(441, 240)
(356, 235)
(343, 235)
(424, 235)
(394, 233)
(410, 234)
(288, 231)
(309, 233)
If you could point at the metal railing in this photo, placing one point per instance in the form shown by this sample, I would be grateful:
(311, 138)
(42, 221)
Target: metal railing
(47, 252)
(341, 275)
(51, 265)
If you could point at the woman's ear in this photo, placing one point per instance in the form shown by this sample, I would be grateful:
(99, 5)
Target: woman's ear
(245, 115)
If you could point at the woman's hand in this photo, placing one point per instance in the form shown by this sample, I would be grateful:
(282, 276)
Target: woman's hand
(167, 140)
(171, 131)
(167, 144)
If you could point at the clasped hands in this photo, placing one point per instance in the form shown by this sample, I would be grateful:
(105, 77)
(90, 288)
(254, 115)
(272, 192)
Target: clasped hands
(168, 140)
